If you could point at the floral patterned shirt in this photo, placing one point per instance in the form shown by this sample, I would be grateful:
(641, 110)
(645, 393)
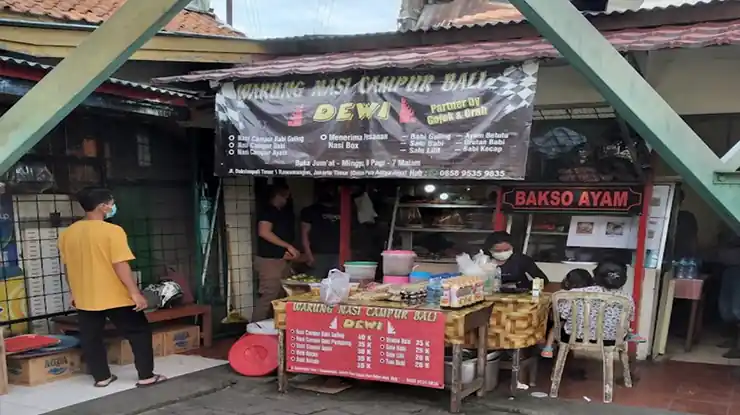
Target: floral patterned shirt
(611, 314)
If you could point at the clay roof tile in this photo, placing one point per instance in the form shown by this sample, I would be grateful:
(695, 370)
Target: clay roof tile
(97, 11)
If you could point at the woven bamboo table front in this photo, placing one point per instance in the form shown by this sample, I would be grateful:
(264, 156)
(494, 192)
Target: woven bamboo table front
(517, 321)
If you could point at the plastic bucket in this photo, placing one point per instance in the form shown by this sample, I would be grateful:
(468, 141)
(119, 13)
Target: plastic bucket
(361, 271)
(398, 262)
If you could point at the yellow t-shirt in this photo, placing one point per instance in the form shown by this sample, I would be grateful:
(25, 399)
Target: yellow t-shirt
(89, 248)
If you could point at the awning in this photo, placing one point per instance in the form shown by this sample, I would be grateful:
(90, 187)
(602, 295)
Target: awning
(34, 71)
(664, 37)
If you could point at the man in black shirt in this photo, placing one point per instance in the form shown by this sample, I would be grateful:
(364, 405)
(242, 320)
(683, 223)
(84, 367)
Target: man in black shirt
(320, 233)
(276, 231)
(516, 268)
(687, 231)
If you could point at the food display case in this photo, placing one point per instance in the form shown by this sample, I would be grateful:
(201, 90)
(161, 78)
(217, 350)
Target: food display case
(439, 221)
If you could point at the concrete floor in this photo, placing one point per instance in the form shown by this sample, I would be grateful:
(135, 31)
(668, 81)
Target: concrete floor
(218, 391)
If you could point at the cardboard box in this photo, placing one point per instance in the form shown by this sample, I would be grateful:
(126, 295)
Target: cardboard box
(181, 339)
(120, 353)
(44, 369)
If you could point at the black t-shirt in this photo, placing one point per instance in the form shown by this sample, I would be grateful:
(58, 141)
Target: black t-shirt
(283, 225)
(687, 229)
(519, 268)
(324, 234)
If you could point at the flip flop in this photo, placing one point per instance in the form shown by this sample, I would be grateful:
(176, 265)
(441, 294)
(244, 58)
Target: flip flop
(636, 338)
(157, 380)
(106, 383)
(546, 352)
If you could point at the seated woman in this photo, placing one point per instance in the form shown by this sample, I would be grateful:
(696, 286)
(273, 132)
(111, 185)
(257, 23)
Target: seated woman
(576, 278)
(609, 277)
(516, 268)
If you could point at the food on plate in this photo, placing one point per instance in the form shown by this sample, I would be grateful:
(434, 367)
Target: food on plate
(305, 278)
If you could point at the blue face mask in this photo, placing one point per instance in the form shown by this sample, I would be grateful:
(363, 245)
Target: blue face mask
(111, 212)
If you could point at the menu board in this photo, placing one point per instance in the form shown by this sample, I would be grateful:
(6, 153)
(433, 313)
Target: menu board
(370, 343)
(461, 124)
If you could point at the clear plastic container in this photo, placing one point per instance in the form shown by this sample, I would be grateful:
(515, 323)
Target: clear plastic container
(398, 262)
(361, 271)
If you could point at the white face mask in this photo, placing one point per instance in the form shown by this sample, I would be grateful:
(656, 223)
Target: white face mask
(502, 256)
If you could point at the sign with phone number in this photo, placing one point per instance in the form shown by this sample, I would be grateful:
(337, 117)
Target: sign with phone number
(369, 343)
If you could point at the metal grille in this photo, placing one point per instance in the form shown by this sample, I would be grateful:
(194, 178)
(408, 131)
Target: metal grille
(148, 168)
(239, 203)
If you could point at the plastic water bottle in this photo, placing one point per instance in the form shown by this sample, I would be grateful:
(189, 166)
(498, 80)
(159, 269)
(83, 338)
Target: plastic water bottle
(681, 269)
(434, 291)
(692, 270)
(496, 280)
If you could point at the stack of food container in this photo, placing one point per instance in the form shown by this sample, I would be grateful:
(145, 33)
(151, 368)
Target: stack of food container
(361, 272)
(397, 266)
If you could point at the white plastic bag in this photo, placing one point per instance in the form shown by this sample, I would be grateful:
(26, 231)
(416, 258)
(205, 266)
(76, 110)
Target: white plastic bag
(469, 266)
(335, 287)
(479, 266)
(262, 327)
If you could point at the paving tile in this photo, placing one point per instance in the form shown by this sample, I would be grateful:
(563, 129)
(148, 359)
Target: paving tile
(644, 400)
(700, 407)
(709, 391)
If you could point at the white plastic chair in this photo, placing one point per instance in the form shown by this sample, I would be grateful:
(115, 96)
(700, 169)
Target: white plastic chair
(586, 304)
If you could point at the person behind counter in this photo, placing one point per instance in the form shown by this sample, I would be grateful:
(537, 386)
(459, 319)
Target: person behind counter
(516, 268)
(276, 231)
(320, 233)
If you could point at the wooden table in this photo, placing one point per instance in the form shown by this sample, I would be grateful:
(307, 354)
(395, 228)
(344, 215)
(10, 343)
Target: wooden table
(64, 324)
(457, 323)
(518, 323)
(692, 290)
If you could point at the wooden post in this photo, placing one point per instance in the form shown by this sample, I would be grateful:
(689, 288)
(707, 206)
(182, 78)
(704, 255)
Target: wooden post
(345, 224)
(3, 366)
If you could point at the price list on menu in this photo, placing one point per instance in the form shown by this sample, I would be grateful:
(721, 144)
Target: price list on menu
(370, 343)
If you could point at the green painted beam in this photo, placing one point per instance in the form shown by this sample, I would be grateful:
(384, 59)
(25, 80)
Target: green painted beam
(731, 160)
(78, 75)
(635, 100)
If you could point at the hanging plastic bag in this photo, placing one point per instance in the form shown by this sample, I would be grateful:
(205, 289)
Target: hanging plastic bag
(335, 287)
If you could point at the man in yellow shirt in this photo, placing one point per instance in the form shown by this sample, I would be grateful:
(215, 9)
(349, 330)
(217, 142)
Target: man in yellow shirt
(96, 254)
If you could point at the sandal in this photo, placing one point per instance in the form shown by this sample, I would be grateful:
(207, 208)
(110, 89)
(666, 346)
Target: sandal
(157, 380)
(546, 352)
(106, 383)
(636, 338)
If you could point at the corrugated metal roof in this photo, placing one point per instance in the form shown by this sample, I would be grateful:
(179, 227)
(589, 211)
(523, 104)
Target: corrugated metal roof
(460, 14)
(664, 37)
(114, 81)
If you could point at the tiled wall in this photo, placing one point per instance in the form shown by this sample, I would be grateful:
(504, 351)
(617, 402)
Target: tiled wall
(239, 203)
